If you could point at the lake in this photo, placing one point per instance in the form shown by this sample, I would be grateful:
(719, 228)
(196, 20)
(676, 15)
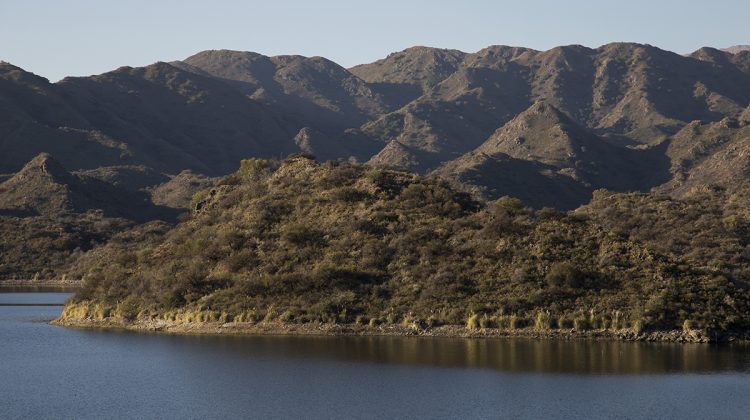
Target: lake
(54, 372)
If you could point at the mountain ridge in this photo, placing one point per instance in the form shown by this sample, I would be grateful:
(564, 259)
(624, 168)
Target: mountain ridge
(420, 108)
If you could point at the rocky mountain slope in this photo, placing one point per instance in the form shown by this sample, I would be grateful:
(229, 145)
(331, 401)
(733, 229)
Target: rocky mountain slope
(423, 109)
(546, 159)
(314, 88)
(629, 93)
(709, 154)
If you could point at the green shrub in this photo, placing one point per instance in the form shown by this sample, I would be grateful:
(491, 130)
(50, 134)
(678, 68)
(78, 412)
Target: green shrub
(564, 274)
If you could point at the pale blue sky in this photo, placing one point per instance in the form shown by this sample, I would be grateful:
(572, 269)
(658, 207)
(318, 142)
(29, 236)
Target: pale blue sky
(55, 38)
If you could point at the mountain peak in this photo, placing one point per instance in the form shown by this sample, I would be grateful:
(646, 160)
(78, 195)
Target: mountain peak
(17, 74)
(540, 112)
(395, 154)
(711, 55)
(419, 66)
(44, 166)
(541, 133)
(42, 186)
(544, 108)
(736, 49)
(223, 53)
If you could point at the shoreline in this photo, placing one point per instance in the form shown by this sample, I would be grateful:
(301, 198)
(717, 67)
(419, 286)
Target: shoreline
(266, 328)
(30, 284)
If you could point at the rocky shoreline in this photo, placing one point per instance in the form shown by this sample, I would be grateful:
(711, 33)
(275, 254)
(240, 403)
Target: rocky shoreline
(330, 329)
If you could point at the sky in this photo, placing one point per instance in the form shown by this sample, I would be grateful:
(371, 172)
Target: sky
(56, 38)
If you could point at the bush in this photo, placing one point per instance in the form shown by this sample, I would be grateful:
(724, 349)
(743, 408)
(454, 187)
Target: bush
(564, 274)
(253, 169)
(581, 324)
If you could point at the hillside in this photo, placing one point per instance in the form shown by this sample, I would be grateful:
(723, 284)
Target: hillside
(135, 146)
(313, 87)
(173, 120)
(547, 160)
(629, 93)
(157, 116)
(36, 118)
(347, 244)
(417, 109)
(44, 187)
(709, 154)
(179, 190)
(49, 217)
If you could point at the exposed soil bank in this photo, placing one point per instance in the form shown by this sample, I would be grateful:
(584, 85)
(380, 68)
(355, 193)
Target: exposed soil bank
(329, 329)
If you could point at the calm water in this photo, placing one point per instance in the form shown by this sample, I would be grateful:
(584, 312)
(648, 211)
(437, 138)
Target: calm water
(53, 372)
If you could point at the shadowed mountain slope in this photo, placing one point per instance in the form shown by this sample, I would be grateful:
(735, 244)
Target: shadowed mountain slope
(629, 93)
(44, 187)
(418, 109)
(310, 88)
(546, 159)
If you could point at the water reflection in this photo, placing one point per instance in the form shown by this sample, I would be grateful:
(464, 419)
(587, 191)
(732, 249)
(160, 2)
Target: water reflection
(54, 372)
(511, 355)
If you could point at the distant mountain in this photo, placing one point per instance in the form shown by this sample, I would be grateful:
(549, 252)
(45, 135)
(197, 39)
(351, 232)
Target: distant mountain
(36, 118)
(43, 187)
(630, 93)
(312, 88)
(172, 120)
(158, 116)
(422, 109)
(546, 159)
(736, 49)
(49, 217)
(406, 75)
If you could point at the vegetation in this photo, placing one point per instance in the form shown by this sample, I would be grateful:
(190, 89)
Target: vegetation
(51, 218)
(40, 248)
(344, 243)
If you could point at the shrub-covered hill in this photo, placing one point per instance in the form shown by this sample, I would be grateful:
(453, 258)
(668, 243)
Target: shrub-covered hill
(307, 242)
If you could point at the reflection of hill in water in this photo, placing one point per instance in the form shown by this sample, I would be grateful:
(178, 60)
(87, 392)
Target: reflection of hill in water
(512, 355)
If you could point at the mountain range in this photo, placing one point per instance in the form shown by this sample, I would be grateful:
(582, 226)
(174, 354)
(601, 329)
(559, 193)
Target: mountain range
(422, 109)
(549, 127)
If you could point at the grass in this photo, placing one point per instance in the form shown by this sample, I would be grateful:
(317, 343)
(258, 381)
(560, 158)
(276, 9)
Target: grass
(543, 321)
(472, 323)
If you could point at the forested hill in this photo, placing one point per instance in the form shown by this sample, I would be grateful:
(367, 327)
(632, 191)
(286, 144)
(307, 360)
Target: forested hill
(344, 243)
